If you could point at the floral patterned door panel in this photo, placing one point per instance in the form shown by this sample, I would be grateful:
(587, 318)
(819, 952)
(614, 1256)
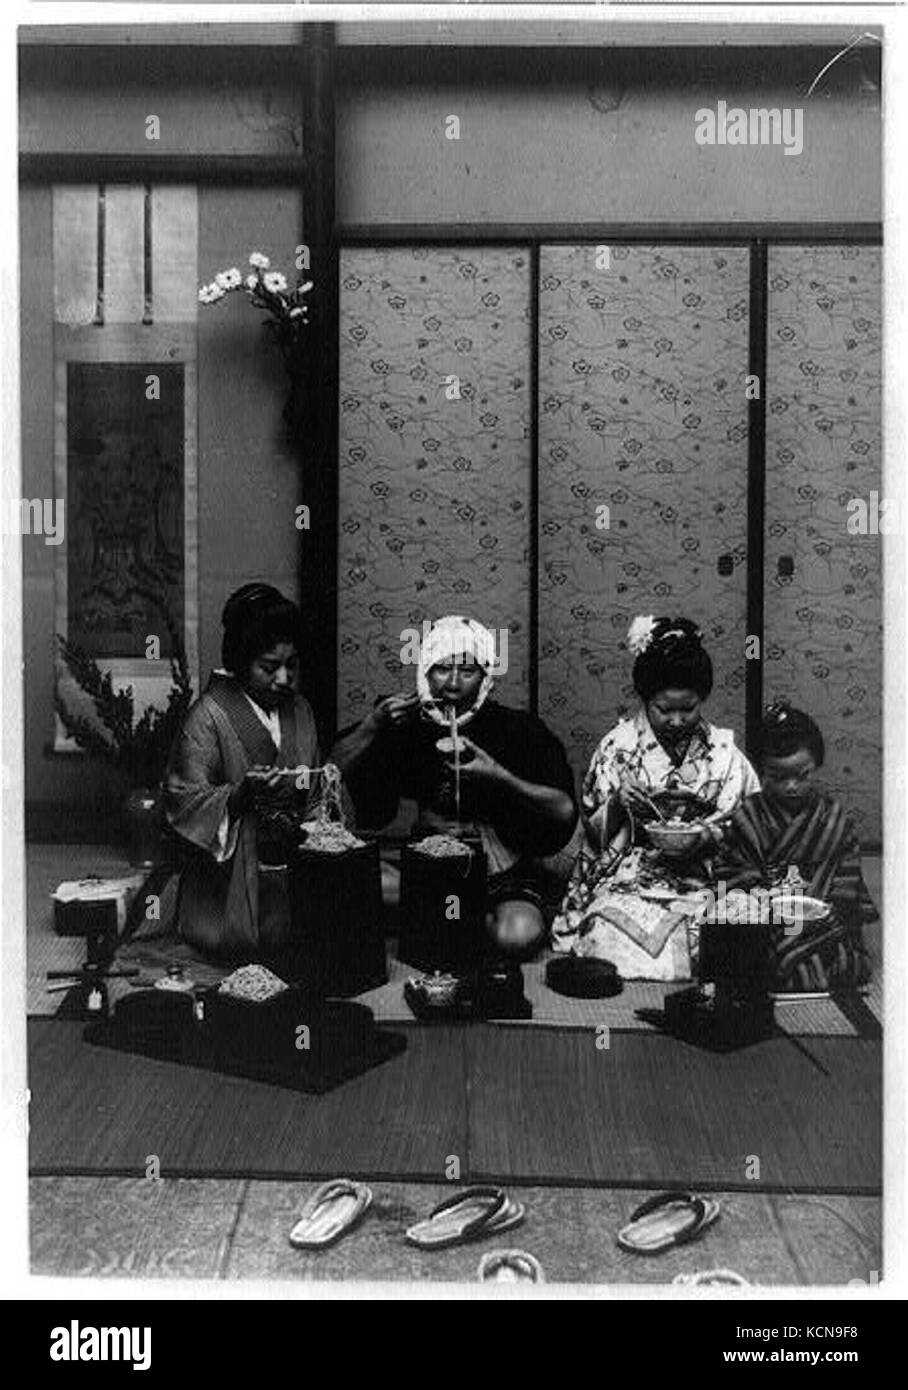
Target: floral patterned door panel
(434, 511)
(823, 586)
(642, 471)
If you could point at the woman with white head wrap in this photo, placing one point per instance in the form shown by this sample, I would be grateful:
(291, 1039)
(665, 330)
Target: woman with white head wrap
(516, 785)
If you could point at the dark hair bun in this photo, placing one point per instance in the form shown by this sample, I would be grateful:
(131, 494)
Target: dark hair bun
(245, 602)
(787, 730)
(675, 659)
(674, 632)
(255, 618)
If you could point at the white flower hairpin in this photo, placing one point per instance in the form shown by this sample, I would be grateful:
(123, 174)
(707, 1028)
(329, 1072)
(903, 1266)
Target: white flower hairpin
(640, 634)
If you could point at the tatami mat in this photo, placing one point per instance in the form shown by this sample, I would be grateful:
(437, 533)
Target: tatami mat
(522, 1104)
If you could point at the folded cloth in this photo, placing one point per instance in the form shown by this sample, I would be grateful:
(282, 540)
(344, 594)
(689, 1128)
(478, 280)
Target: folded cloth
(645, 940)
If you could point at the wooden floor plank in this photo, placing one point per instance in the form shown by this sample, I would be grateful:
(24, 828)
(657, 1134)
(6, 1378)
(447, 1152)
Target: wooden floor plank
(185, 1228)
(131, 1227)
(833, 1239)
(571, 1231)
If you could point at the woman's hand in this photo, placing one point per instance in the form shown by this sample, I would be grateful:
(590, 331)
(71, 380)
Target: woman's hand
(636, 800)
(391, 713)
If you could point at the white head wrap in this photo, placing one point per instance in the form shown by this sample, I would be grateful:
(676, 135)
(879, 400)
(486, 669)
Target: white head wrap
(459, 638)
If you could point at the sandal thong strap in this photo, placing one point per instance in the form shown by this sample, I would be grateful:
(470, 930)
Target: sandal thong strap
(328, 1192)
(525, 1265)
(493, 1199)
(702, 1212)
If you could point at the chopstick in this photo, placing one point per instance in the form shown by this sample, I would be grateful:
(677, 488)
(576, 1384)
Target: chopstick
(649, 801)
(78, 972)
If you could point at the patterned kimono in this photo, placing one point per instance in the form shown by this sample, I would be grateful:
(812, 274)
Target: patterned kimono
(624, 903)
(229, 907)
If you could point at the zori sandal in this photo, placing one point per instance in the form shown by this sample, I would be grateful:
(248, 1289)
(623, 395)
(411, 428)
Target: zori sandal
(709, 1278)
(670, 1219)
(464, 1216)
(511, 1214)
(331, 1211)
(510, 1267)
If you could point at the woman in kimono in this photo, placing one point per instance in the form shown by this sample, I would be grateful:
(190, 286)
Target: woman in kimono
(516, 786)
(626, 902)
(241, 758)
(792, 831)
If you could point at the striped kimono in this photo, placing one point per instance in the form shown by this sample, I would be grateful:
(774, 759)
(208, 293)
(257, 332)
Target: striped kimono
(763, 841)
(820, 840)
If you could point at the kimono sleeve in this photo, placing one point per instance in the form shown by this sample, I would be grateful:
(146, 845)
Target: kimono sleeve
(739, 782)
(740, 861)
(374, 786)
(847, 891)
(602, 780)
(196, 790)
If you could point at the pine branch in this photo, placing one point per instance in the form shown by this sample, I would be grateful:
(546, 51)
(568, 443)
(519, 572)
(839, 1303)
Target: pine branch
(139, 748)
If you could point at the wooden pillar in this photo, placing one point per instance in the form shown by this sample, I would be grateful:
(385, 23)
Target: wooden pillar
(315, 415)
(756, 497)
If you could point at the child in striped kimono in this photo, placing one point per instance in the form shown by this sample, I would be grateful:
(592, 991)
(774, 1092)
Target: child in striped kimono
(792, 825)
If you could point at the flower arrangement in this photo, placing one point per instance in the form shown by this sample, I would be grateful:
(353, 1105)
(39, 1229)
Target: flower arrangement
(268, 289)
(137, 749)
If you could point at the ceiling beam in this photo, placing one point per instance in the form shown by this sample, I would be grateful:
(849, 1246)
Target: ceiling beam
(513, 33)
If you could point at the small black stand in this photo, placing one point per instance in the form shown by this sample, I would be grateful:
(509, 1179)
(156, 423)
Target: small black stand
(296, 1040)
(431, 938)
(737, 1012)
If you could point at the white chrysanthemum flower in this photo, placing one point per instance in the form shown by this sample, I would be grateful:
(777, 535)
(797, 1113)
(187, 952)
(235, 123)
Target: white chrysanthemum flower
(640, 634)
(228, 279)
(203, 295)
(251, 281)
(215, 293)
(275, 282)
(259, 261)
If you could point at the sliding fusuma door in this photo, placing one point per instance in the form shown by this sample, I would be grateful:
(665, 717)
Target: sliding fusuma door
(435, 476)
(823, 609)
(643, 354)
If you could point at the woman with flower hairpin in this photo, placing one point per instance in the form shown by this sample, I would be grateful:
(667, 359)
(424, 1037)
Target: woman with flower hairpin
(627, 901)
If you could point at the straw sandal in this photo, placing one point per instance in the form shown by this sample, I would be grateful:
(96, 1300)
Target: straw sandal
(331, 1211)
(667, 1220)
(468, 1215)
(510, 1267)
(712, 1278)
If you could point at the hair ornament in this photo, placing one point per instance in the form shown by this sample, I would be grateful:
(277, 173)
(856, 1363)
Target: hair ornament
(640, 634)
